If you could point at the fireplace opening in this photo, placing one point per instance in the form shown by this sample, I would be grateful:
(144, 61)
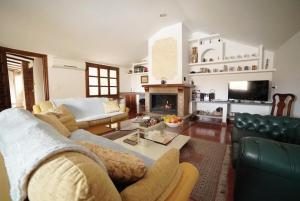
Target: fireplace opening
(163, 103)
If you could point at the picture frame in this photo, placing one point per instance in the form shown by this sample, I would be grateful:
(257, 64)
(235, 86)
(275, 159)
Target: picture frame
(144, 79)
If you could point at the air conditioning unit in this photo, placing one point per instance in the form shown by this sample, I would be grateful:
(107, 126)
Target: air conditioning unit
(68, 64)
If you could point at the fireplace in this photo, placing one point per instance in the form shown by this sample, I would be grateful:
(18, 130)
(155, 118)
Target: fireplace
(167, 99)
(163, 103)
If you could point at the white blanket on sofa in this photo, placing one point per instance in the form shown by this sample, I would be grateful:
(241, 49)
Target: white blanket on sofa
(83, 108)
(25, 142)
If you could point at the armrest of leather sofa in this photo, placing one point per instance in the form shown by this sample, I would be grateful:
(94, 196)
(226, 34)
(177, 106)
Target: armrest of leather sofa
(267, 170)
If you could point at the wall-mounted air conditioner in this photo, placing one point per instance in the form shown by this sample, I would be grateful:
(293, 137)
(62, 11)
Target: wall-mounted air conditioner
(68, 64)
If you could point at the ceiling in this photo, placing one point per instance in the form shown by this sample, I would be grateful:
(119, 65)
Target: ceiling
(116, 31)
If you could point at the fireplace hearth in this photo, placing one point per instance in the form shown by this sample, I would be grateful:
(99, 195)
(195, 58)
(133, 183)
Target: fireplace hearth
(165, 103)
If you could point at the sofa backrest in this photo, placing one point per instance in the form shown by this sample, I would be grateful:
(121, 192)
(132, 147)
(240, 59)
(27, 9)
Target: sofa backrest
(83, 107)
(284, 129)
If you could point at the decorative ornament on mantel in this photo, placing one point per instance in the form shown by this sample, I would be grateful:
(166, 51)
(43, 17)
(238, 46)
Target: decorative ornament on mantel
(163, 80)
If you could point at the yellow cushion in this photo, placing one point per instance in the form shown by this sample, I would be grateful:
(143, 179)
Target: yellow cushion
(111, 106)
(46, 106)
(71, 176)
(156, 180)
(36, 109)
(53, 121)
(65, 117)
(4, 185)
(122, 107)
(121, 167)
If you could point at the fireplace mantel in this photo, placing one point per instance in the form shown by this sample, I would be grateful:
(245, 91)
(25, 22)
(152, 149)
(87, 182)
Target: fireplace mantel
(183, 92)
(179, 86)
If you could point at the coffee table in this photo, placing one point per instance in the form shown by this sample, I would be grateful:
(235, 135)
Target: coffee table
(152, 149)
(149, 148)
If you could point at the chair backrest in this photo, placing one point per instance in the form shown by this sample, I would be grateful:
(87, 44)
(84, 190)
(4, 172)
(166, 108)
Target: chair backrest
(282, 104)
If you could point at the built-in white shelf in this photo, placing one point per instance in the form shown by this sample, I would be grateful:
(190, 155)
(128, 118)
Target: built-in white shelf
(141, 73)
(232, 72)
(224, 61)
(213, 101)
(205, 38)
(144, 63)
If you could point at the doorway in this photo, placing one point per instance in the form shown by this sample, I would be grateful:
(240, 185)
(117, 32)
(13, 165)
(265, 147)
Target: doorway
(23, 80)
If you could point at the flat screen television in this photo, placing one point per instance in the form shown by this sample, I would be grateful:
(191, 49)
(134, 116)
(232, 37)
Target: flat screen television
(249, 90)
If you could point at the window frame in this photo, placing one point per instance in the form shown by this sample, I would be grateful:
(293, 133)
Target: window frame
(108, 68)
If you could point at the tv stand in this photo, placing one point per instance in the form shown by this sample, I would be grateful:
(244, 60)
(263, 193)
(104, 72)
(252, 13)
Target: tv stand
(233, 106)
(251, 102)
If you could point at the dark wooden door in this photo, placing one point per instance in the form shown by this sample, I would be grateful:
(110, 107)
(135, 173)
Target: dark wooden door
(5, 101)
(28, 85)
(131, 102)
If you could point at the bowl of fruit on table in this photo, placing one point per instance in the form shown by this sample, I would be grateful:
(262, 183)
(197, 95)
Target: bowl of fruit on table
(172, 121)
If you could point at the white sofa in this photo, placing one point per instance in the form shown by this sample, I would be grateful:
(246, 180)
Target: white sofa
(88, 111)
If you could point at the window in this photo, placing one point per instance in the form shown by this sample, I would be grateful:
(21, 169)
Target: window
(102, 80)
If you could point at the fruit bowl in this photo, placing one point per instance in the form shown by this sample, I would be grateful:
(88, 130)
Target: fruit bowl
(173, 125)
(172, 121)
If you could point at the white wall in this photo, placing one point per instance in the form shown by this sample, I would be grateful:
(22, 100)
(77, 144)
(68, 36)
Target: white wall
(67, 83)
(175, 31)
(287, 76)
(219, 83)
(136, 85)
(125, 80)
(38, 80)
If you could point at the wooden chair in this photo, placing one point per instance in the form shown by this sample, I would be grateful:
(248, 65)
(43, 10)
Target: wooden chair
(282, 104)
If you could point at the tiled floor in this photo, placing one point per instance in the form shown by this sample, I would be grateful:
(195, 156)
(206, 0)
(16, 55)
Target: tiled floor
(210, 132)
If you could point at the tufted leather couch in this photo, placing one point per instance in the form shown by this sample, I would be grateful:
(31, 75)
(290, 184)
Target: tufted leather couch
(282, 129)
(266, 156)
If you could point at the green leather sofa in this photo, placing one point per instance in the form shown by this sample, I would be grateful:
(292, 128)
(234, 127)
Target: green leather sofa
(266, 157)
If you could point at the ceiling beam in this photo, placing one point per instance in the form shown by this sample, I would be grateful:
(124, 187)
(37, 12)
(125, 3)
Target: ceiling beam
(13, 64)
(13, 61)
(21, 56)
(16, 59)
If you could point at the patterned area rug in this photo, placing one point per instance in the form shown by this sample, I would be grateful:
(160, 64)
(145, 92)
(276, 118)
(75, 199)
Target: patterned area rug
(211, 159)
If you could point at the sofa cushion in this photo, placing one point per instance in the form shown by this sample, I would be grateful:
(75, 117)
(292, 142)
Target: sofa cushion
(83, 108)
(111, 106)
(4, 183)
(71, 176)
(53, 121)
(121, 167)
(98, 116)
(66, 118)
(156, 180)
(119, 117)
(83, 135)
(122, 107)
(46, 106)
(99, 121)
